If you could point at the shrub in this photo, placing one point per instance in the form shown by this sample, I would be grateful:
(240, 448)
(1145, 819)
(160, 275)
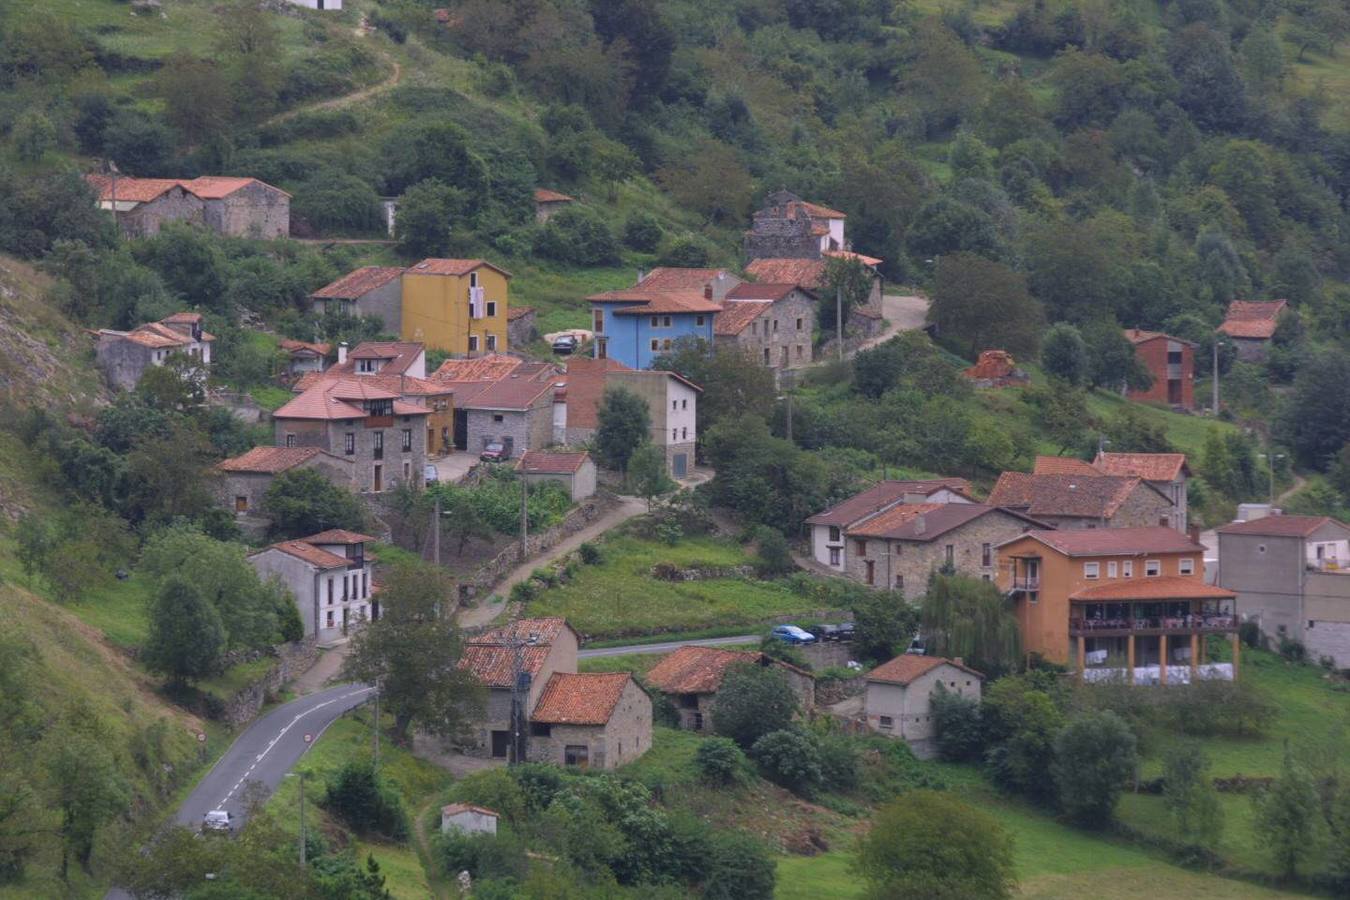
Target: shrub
(775, 557)
(686, 252)
(524, 591)
(1293, 650)
(1095, 755)
(960, 731)
(720, 761)
(1250, 632)
(494, 789)
(753, 701)
(840, 761)
(591, 554)
(738, 867)
(369, 806)
(790, 758)
(499, 855)
(642, 232)
(578, 236)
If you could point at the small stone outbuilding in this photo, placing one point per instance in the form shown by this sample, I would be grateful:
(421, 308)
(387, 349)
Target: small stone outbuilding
(469, 819)
(691, 677)
(597, 720)
(575, 471)
(898, 701)
(245, 478)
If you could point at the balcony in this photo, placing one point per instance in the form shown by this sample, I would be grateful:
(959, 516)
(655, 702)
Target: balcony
(374, 421)
(1215, 623)
(1026, 583)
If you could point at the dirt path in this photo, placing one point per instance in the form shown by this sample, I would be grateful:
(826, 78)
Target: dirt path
(902, 313)
(1299, 482)
(317, 676)
(491, 607)
(346, 99)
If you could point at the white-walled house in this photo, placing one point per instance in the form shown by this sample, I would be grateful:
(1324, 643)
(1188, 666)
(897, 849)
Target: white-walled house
(468, 818)
(830, 527)
(335, 5)
(899, 694)
(330, 576)
(672, 401)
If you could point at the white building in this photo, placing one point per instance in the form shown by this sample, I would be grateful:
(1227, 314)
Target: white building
(899, 693)
(330, 576)
(468, 818)
(828, 528)
(319, 4)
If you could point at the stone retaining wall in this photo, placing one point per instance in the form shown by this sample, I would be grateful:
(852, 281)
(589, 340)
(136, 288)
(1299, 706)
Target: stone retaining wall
(834, 690)
(292, 659)
(670, 572)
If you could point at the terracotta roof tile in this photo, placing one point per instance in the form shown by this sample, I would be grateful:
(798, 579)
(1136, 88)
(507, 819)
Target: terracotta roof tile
(269, 460)
(1116, 541)
(300, 348)
(674, 278)
(696, 670)
(1164, 587)
(321, 559)
(338, 536)
(130, 190)
(923, 522)
(399, 357)
(905, 668)
(217, 187)
(544, 630)
(328, 399)
(492, 367)
(512, 393)
(434, 266)
(1280, 526)
(451, 809)
(544, 195)
(1064, 465)
(646, 302)
(580, 699)
(809, 273)
(1256, 319)
(1081, 495)
(358, 282)
(518, 312)
(540, 462)
(816, 211)
(494, 665)
(884, 494)
(1148, 466)
(183, 318)
(585, 380)
(737, 315)
(762, 290)
(870, 261)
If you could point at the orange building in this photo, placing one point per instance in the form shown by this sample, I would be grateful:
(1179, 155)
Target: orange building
(1107, 602)
(1171, 362)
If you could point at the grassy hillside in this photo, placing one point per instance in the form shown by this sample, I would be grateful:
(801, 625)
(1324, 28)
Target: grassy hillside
(45, 359)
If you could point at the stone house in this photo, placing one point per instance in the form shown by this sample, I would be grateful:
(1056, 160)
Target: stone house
(1171, 362)
(1084, 501)
(1166, 472)
(245, 478)
(1292, 577)
(468, 818)
(901, 546)
(810, 274)
(383, 434)
(521, 327)
(828, 546)
(789, 227)
(516, 411)
(548, 204)
(330, 576)
(140, 206)
(593, 720)
(243, 207)
(124, 356)
(368, 291)
(691, 677)
(1251, 324)
(303, 357)
(774, 323)
(898, 698)
(574, 471)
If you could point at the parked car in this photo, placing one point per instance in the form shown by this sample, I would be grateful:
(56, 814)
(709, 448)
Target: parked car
(565, 343)
(430, 475)
(493, 452)
(218, 820)
(844, 631)
(825, 632)
(791, 634)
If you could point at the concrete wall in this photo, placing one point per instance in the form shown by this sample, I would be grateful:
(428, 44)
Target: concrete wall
(580, 484)
(468, 821)
(385, 303)
(909, 707)
(1268, 573)
(673, 406)
(319, 593)
(1153, 354)
(254, 211)
(123, 362)
(912, 561)
(626, 736)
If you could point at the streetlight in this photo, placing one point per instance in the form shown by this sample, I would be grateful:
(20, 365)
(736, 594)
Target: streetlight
(1270, 467)
(301, 775)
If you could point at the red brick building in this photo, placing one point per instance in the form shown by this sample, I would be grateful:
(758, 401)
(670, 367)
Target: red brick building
(1171, 362)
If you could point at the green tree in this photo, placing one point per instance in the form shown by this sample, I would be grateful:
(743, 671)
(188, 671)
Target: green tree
(775, 556)
(1189, 796)
(1095, 756)
(303, 502)
(1112, 360)
(647, 473)
(579, 236)
(426, 211)
(734, 383)
(790, 757)
(642, 231)
(197, 99)
(737, 867)
(956, 718)
(982, 305)
(139, 144)
(623, 425)
(34, 539)
(86, 787)
(886, 624)
(186, 640)
(1064, 354)
(410, 652)
(928, 844)
(719, 761)
(1022, 720)
(1313, 419)
(34, 136)
(366, 802)
(846, 280)
(969, 618)
(1289, 817)
(753, 701)
(248, 45)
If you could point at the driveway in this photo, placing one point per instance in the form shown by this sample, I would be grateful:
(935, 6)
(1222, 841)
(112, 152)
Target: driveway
(669, 646)
(902, 313)
(452, 469)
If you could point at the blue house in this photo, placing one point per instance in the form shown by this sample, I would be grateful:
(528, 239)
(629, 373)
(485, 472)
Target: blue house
(638, 324)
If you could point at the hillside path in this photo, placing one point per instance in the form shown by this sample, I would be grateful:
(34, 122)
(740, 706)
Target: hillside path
(1299, 482)
(902, 313)
(395, 76)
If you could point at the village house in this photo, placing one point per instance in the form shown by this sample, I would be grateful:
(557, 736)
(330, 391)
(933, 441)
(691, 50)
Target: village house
(672, 401)
(333, 5)
(236, 207)
(521, 327)
(898, 696)
(516, 412)
(1292, 578)
(1114, 603)
(469, 819)
(245, 478)
(539, 709)
(1171, 362)
(383, 434)
(574, 471)
(330, 576)
(772, 322)
(124, 356)
(810, 275)
(459, 306)
(1251, 324)
(996, 369)
(790, 227)
(303, 357)
(548, 204)
(691, 677)
(1083, 500)
(1166, 472)
(828, 527)
(638, 324)
(375, 291)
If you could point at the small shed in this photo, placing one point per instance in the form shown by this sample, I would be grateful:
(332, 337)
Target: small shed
(575, 471)
(995, 369)
(469, 819)
(549, 203)
(520, 325)
(899, 693)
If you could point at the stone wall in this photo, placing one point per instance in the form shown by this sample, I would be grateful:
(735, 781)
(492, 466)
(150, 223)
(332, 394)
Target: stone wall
(834, 690)
(912, 561)
(254, 211)
(486, 577)
(146, 219)
(123, 362)
(292, 660)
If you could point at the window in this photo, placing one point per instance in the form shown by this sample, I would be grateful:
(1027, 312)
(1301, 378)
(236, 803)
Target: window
(365, 365)
(799, 324)
(330, 590)
(684, 404)
(986, 555)
(1092, 570)
(329, 623)
(834, 556)
(665, 322)
(498, 417)
(899, 582)
(684, 434)
(473, 279)
(492, 342)
(986, 577)
(407, 440)
(951, 554)
(1186, 566)
(799, 351)
(492, 308)
(290, 442)
(698, 320)
(240, 504)
(377, 442)
(775, 326)
(577, 755)
(473, 343)
(859, 546)
(365, 584)
(767, 361)
(674, 404)
(1111, 569)
(834, 534)
(885, 723)
(598, 320)
(1152, 567)
(407, 470)
(1127, 568)
(656, 321)
(349, 442)
(540, 729)
(698, 721)
(674, 434)
(656, 345)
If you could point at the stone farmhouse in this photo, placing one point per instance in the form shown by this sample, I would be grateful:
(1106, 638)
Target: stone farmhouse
(1292, 577)
(245, 478)
(809, 274)
(1171, 362)
(236, 207)
(789, 227)
(1251, 324)
(828, 527)
(330, 576)
(516, 412)
(548, 204)
(898, 695)
(574, 471)
(539, 709)
(1083, 500)
(124, 356)
(672, 401)
(368, 291)
(692, 676)
(774, 323)
(1167, 472)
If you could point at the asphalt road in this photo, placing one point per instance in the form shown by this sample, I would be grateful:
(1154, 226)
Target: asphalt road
(671, 645)
(265, 752)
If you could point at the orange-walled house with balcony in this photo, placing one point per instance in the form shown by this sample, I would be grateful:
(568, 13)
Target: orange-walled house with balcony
(1113, 603)
(1171, 362)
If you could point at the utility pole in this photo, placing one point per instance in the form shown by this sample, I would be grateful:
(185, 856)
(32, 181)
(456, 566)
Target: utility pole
(377, 724)
(524, 517)
(839, 319)
(435, 540)
(1215, 386)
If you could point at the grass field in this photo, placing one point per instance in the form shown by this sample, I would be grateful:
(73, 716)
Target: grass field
(620, 596)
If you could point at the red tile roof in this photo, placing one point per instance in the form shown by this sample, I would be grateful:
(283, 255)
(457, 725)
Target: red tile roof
(301, 348)
(540, 462)
(1138, 336)
(1084, 496)
(517, 312)
(647, 302)
(1116, 541)
(494, 665)
(217, 187)
(309, 553)
(269, 460)
(327, 400)
(1148, 466)
(585, 381)
(512, 393)
(183, 318)
(905, 668)
(762, 290)
(809, 273)
(580, 699)
(881, 495)
(544, 195)
(434, 266)
(338, 536)
(1064, 465)
(923, 522)
(696, 670)
(358, 282)
(816, 211)
(492, 367)
(452, 809)
(1163, 587)
(544, 630)
(871, 261)
(672, 278)
(1255, 319)
(131, 190)
(737, 315)
(398, 356)
(1280, 526)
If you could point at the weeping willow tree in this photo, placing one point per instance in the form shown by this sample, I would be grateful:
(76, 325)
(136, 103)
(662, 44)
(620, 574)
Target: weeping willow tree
(969, 618)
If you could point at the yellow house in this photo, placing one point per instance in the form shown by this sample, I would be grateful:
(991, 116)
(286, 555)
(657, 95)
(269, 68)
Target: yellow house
(456, 305)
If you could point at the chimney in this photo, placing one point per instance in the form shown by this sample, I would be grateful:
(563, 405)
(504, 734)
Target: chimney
(920, 526)
(641, 275)
(342, 353)
(960, 661)
(707, 291)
